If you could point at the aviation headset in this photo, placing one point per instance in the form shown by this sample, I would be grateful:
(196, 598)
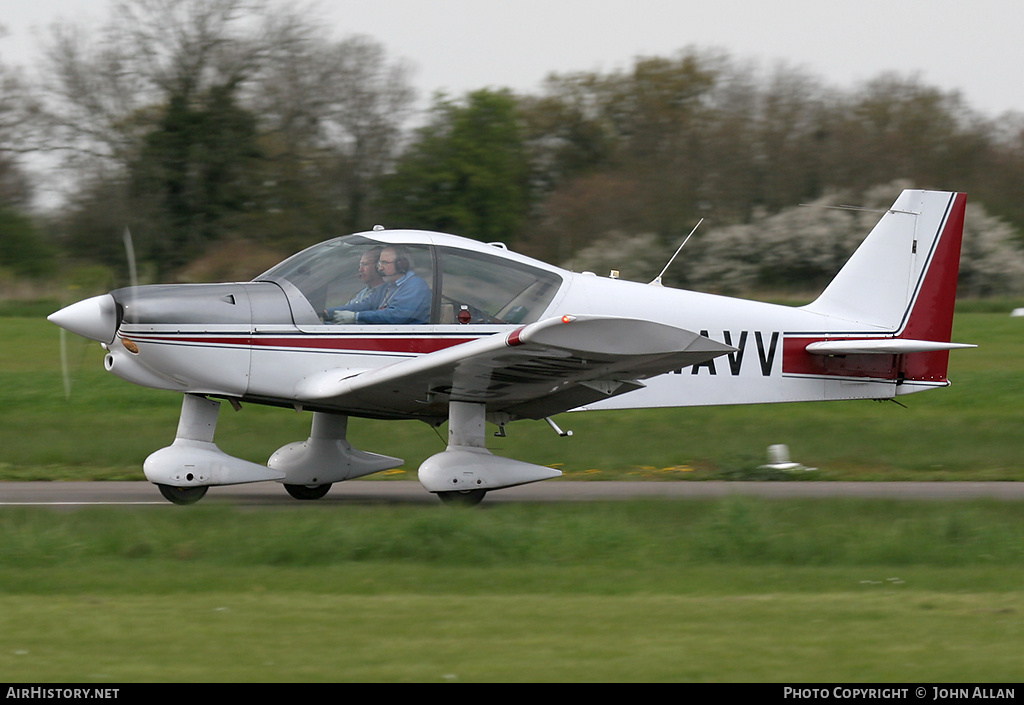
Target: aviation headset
(403, 263)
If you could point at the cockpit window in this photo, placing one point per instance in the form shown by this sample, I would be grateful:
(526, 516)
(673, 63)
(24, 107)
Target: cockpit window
(336, 280)
(477, 288)
(341, 272)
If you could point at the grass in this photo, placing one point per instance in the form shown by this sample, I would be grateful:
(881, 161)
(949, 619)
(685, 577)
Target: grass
(650, 535)
(738, 590)
(253, 637)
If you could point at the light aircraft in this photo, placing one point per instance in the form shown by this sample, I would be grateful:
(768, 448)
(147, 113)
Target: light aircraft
(501, 337)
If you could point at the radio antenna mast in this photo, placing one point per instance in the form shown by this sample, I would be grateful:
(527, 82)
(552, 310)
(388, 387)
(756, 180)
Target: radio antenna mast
(657, 279)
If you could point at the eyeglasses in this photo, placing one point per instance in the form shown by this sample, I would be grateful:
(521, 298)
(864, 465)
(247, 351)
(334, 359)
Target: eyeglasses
(384, 261)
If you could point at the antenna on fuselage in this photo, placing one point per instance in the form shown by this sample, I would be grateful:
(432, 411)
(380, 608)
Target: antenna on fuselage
(861, 209)
(657, 279)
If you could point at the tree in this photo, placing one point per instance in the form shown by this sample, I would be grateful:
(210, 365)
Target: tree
(466, 171)
(147, 114)
(103, 93)
(992, 256)
(17, 111)
(22, 250)
(640, 145)
(339, 107)
(651, 149)
(800, 249)
(194, 171)
(367, 105)
(217, 119)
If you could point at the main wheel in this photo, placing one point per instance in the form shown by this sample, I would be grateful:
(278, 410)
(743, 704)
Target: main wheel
(183, 495)
(463, 498)
(308, 491)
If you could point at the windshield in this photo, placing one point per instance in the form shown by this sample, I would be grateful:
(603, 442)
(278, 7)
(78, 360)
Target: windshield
(479, 288)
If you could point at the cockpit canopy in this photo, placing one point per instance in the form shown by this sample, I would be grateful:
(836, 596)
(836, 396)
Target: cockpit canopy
(468, 285)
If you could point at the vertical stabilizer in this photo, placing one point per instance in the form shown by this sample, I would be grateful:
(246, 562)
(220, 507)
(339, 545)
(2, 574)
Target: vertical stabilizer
(917, 240)
(902, 280)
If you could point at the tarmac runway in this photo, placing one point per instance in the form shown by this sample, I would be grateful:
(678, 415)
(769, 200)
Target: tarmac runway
(79, 494)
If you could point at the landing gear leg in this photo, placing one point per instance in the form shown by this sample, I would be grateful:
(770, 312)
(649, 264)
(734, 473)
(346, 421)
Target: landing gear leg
(198, 424)
(467, 424)
(185, 469)
(310, 468)
(466, 471)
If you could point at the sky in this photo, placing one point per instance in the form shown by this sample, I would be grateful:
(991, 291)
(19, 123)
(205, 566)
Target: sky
(462, 45)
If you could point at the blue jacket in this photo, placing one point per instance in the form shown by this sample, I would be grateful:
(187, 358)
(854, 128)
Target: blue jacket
(405, 301)
(367, 298)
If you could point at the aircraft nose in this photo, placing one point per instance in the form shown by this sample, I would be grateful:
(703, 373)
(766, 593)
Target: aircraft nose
(94, 318)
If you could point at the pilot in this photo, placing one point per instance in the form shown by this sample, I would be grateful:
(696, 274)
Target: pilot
(406, 297)
(373, 289)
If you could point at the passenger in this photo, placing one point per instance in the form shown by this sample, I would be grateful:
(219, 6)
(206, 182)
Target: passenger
(373, 289)
(406, 297)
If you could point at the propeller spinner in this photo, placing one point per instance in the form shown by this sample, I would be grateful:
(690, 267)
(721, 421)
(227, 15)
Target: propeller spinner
(96, 318)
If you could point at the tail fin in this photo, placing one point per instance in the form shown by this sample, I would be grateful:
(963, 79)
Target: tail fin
(901, 281)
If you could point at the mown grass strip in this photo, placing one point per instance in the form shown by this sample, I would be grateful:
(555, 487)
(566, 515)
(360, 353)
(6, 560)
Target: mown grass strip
(738, 589)
(912, 636)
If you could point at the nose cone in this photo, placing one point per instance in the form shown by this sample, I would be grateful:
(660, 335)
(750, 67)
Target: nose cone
(94, 318)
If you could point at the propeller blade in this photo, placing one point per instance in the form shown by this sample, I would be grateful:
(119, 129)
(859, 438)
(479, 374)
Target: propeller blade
(133, 275)
(64, 363)
(129, 248)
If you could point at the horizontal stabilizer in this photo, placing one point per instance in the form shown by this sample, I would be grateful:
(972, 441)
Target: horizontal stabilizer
(880, 346)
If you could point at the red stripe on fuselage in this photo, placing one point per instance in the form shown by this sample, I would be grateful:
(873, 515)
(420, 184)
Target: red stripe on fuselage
(397, 344)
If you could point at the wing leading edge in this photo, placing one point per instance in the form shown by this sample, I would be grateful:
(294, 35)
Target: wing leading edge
(535, 371)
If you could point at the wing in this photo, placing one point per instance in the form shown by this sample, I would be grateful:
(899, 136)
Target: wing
(535, 371)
